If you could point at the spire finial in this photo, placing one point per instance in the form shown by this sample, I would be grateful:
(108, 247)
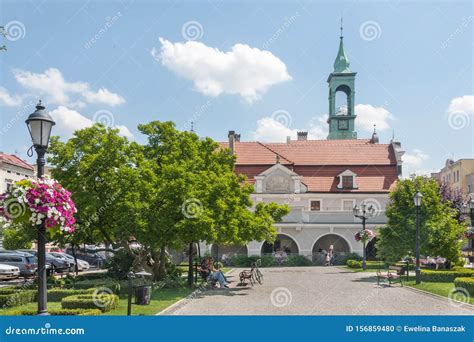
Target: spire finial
(192, 126)
(342, 28)
(374, 128)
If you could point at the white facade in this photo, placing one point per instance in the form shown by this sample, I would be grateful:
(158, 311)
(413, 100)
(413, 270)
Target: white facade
(10, 173)
(331, 217)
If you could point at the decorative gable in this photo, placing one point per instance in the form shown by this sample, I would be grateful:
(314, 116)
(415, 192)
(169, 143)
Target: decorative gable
(347, 180)
(279, 179)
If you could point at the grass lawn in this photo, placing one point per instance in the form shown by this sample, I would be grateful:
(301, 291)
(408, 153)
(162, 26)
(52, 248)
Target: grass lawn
(442, 289)
(160, 300)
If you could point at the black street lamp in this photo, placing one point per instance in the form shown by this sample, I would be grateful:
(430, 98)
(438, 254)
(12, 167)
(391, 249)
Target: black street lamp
(364, 213)
(39, 125)
(417, 199)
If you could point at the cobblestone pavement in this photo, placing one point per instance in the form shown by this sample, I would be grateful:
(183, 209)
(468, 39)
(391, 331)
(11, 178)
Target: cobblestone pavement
(315, 291)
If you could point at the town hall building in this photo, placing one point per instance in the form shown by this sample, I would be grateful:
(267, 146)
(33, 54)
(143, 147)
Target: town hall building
(320, 180)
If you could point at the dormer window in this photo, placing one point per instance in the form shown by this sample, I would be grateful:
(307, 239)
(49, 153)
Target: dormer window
(347, 180)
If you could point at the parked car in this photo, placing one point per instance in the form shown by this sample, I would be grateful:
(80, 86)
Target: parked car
(93, 258)
(8, 272)
(82, 265)
(57, 264)
(27, 263)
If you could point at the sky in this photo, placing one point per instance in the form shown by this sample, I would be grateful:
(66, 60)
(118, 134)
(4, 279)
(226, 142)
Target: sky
(257, 67)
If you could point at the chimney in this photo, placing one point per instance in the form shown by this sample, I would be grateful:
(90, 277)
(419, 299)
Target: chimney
(302, 136)
(232, 141)
(237, 137)
(288, 139)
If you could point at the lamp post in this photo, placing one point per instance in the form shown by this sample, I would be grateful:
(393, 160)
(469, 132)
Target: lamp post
(417, 199)
(363, 213)
(39, 125)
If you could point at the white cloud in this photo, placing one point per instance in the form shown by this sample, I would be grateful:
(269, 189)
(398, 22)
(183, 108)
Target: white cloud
(52, 84)
(245, 71)
(368, 116)
(271, 130)
(9, 100)
(414, 162)
(462, 104)
(69, 120)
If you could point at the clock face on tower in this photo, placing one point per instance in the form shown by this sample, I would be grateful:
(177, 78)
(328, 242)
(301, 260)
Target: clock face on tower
(343, 124)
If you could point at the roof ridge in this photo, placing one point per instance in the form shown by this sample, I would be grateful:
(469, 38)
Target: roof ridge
(271, 150)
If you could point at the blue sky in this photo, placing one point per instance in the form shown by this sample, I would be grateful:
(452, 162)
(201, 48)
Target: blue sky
(259, 68)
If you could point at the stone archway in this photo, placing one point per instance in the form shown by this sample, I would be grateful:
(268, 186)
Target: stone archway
(227, 251)
(282, 243)
(340, 246)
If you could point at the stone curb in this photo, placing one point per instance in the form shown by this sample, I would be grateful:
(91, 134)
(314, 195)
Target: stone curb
(182, 302)
(443, 298)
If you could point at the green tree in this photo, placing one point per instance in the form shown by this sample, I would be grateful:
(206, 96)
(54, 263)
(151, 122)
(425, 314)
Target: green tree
(191, 193)
(18, 237)
(94, 165)
(440, 231)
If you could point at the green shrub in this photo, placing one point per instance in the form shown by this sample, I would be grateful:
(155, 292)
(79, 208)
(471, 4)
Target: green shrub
(353, 256)
(120, 264)
(444, 276)
(246, 261)
(89, 276)
(103, 302)
(109, 283)
(354, 263)
(56, 295)
(466, 283)
(298, 260)
(58, 312)
(375, 265)
(18, 297)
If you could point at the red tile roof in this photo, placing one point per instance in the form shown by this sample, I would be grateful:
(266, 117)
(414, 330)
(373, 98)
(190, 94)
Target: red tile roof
(320, 161)
(14, 160)
(315, 152)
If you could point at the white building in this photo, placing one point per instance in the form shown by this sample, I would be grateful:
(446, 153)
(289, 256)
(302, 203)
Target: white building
(321, 180)
(13, 169)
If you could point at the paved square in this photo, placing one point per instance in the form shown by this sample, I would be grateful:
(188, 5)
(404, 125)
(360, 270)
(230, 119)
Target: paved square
(316, 291)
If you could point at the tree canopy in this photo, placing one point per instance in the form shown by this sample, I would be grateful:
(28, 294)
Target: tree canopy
(440, 230)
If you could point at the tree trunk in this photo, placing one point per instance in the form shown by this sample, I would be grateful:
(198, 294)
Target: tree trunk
(162, 264)
(190, 266)
(73, 249)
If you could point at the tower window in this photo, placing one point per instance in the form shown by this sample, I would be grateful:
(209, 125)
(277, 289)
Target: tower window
(347, 182)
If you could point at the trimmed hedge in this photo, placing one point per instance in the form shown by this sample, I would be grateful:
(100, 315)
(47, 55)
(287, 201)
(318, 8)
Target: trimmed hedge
(17, 297)
(246, 261)
(59, 312)
(103, 302)
(56, 295)
(112, 284)
(298, 260)
(444, 276)
(354, 263)
(466, 283)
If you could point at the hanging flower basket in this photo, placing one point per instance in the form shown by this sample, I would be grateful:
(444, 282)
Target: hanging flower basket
(364, 235)
(39, 201)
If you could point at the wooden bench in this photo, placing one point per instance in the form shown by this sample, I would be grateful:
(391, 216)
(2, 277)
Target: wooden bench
(246, 275)
(391, 276)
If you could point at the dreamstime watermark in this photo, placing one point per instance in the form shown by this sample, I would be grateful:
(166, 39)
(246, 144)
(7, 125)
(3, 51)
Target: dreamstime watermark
(375, 204)
(458, 119)
(192, 208)
(46, 330)
(95, 217)
(13, 208)
(281, 297)
(104, 117)
(287, 22)
(14, 30)
(19, 116)
(109, 22)
(283, 117)
(459, 296)
(192, 30)
(197, 114)
(459, 30)
(103, 297)
(370, 30)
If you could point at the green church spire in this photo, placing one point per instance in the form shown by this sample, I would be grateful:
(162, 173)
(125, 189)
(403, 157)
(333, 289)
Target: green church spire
(341, 64)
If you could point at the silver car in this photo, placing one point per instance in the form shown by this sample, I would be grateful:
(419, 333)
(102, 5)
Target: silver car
(27, 263)
(8, 272)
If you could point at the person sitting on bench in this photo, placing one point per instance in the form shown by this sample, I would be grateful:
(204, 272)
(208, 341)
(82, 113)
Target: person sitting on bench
(213, 274)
